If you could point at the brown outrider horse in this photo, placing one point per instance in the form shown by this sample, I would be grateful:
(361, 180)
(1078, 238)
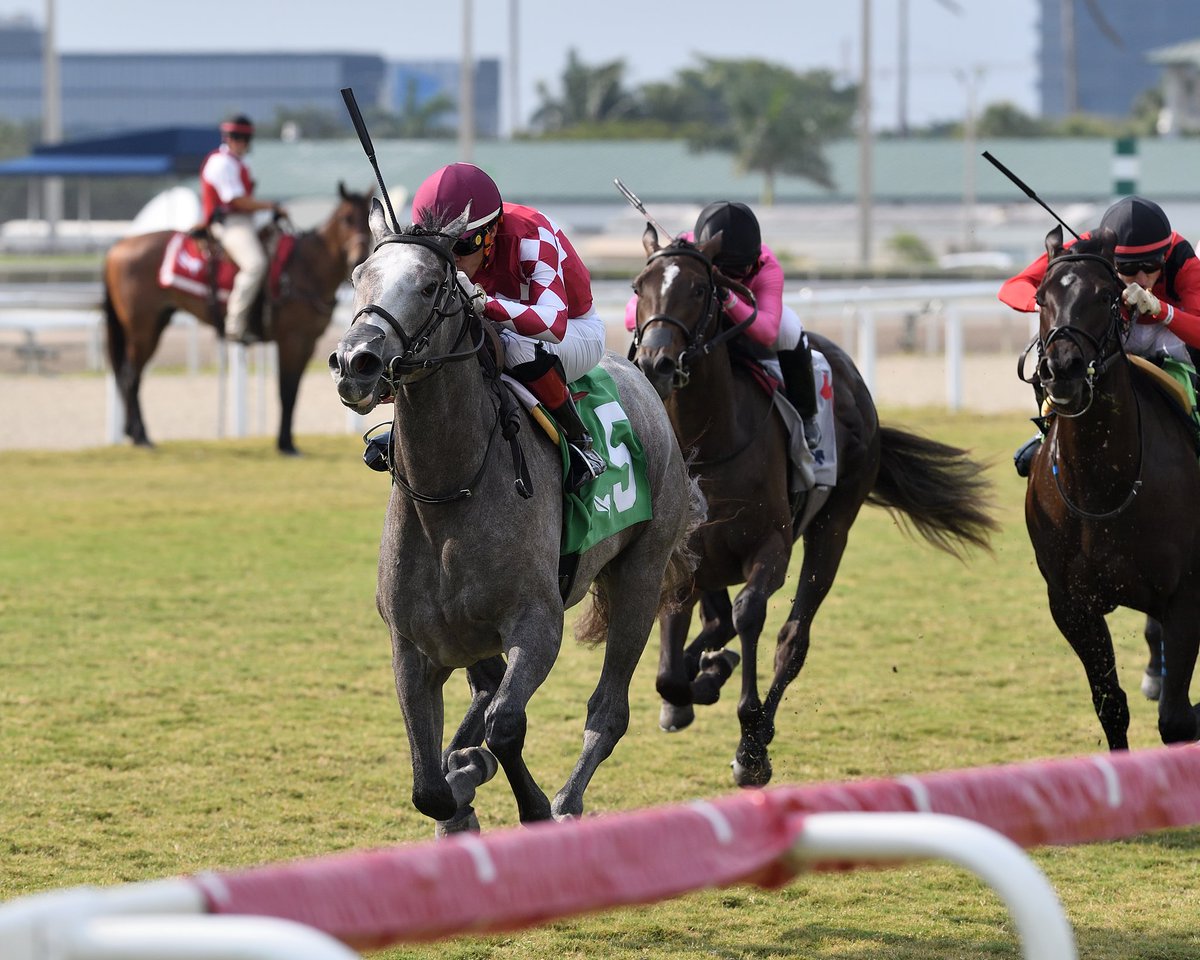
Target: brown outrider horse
(138, 309)
(1111, 505)
(738, 448)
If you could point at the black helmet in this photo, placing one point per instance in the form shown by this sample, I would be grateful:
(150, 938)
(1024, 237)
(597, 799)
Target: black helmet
(741, 241)
(1143, 230)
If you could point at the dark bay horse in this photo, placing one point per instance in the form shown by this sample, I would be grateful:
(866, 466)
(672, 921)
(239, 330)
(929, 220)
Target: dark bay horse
(468, 567)
(1113, 495)
(724, 420)
(138, 309)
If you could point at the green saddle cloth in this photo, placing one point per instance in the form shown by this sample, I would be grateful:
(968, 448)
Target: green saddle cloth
(619, 497)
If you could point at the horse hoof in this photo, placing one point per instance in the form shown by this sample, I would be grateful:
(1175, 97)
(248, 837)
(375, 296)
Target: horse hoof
(754, 775)
(477, 757)
(720, 662)
(465, 822)
(672, 718)
(1151, 686)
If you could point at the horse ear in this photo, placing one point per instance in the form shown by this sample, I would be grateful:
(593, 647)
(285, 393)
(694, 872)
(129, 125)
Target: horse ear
(378, 221)
(459, 225)
(1054, 243)
(342, 190)
(649, 239)
(712, 246)
(1108, 243)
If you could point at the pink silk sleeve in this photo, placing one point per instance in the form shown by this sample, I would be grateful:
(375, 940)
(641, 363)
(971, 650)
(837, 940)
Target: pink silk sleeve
(767, 287)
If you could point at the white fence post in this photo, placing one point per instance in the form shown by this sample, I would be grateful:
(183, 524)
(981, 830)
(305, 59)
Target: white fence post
(954, 358)
(1041, 924)
(866, 346)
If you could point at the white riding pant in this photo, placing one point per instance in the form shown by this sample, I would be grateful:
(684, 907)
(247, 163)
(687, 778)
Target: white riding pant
(790, 330)
(580, 350)
(237, 236)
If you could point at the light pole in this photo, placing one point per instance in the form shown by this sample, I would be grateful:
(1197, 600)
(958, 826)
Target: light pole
(514, 60)
(466, 90)
(970, 79)
(864, 140)
(52, 187)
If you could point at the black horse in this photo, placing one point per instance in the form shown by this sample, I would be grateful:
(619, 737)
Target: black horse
(1111, 505)
(738, 446)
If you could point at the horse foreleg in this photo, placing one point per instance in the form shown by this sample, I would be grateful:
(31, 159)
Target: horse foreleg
(673, 681)
(531, 647)
(1152, 678)
(1177, 719)
(419, 689)
(716, 629)
(751, 765)
(1088, 635)
(824, 546)
(466, 764)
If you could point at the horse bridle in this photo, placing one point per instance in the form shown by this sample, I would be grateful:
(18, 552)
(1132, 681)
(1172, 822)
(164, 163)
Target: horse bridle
(696, 341)
(450, 300)
(1103, 355)
(1103, 358)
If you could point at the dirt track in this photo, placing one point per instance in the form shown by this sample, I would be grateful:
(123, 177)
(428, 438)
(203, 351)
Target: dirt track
(66, 411)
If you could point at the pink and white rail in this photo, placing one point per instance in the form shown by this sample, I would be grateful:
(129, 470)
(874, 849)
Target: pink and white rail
(328, 907)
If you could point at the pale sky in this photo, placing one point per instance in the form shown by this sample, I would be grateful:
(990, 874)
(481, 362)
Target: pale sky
(989, 45)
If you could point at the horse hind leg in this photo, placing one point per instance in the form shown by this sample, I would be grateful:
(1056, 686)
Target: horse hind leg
(1178, 720)
(608, 707)
(1152, 678)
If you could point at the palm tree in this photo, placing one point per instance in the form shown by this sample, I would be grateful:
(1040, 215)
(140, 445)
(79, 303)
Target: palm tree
(773, 120)
(589, 95)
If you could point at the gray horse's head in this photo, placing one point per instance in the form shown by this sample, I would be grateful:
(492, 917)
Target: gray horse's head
(397, 289)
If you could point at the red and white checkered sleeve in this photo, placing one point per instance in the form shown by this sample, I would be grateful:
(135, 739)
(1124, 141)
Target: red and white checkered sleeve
(542, 311)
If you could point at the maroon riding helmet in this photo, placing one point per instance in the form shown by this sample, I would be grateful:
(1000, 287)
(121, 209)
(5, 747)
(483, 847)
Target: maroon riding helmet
(456, 188)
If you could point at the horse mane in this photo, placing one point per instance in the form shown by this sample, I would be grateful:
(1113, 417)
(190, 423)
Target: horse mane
(431, 223)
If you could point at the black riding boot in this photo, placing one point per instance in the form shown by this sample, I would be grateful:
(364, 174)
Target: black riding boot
(801, 388)
(1023, 458)
(546, 380)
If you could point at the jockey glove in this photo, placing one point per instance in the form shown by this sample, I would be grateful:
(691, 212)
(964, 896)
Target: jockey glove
(474, 294)
(1147, 306)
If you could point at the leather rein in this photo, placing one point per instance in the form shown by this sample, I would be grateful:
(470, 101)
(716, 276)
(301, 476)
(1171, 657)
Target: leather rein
(450, 302)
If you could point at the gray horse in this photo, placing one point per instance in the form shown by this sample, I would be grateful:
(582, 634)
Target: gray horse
(468, 565)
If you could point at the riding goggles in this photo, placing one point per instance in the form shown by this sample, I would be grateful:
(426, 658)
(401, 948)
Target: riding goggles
(1132, 269)
(482, 239)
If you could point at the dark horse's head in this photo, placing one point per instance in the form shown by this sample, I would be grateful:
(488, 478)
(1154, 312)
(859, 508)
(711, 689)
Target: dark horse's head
(1081, 323)
(404, 294)
(677, 308)
(346, 232)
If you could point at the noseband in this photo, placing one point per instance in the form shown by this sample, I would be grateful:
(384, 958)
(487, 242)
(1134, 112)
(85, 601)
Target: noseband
(696, 341)
(1105, 351)
(448, 303)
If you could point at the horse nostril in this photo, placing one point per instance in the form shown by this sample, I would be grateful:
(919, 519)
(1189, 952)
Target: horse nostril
(365, 365)
(664, 366)
(334, 366)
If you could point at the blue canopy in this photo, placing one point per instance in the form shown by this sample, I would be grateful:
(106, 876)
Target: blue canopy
(165, 151)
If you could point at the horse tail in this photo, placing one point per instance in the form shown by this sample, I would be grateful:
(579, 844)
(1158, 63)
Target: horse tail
(592, 627)
(936, 487)
(116, 332)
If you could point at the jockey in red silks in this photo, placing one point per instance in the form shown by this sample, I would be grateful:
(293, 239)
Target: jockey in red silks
(531, 284)
(1162, 292)
(226, 193)
(745, 258)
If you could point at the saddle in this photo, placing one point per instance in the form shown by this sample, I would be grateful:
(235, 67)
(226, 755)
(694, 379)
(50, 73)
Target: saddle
(194, 263)
(1177, 381)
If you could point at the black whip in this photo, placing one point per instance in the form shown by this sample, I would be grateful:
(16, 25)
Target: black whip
(1028, 192)
(365, 139)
